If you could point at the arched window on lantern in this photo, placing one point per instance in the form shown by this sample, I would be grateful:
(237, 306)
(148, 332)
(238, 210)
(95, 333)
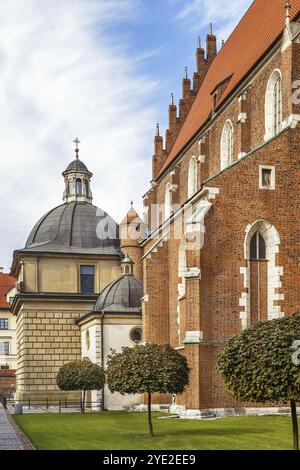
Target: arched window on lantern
(273, 105)
(78, 187)
(192, 177)
(227, 145)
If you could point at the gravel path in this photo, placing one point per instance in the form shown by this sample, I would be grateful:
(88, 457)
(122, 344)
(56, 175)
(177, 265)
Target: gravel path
(11, 438)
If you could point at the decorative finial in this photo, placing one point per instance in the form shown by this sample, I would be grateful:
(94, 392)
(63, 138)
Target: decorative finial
(210, 29)
(186, 73)
(223, 42)
(157, 130)
(287, 13)
(199, 42)
(172, 99)
(77, 142)
(131, 203)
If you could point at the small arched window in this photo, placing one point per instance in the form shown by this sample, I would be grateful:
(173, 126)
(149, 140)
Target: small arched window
(226, 145)
(167, 211)
(79, 187)
(257, 247)
(273, 105)
(192, 177)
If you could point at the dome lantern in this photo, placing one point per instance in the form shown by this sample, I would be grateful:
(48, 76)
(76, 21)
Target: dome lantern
(77, 180)
(127, 265)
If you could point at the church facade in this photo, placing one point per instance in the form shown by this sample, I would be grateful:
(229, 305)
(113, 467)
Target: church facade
(222, 251)
(73, 300)
(222, 247)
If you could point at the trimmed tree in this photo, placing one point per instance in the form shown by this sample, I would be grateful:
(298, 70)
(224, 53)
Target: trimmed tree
(262, 364)
(149, 369)
(81, 375)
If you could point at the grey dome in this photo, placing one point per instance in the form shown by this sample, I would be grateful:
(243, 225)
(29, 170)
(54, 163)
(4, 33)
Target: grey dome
(122, 295)
(76, 165)
(75, 227)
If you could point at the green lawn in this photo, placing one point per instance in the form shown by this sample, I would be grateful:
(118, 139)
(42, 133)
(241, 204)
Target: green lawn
(122, 430)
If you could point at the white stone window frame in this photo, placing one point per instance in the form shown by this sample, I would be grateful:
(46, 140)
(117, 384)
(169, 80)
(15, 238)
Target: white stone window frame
(192, 177)
(182, 267)
(270, 104)
(275, 273)
(168, 201)
(195, 222)
(273, 177)
(226, 151)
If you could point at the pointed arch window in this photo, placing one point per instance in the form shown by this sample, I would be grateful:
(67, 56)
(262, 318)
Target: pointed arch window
(192, 177)
(227, 145)
(257, 247)
(273, 105)
(258, 279)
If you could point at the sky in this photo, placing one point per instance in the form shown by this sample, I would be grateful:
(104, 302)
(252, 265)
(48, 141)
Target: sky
(102, 70)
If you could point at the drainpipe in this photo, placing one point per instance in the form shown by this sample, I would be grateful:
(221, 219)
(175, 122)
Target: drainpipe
(102, 356)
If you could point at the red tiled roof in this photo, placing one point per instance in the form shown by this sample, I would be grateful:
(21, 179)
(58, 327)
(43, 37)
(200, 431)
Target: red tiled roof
(262, 24)
(6, 283)
(7, 373)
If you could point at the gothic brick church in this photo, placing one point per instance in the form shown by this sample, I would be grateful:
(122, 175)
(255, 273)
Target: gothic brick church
(224, 251)
(222, 248)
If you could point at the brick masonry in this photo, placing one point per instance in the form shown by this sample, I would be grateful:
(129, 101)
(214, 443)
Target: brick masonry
(217, 304)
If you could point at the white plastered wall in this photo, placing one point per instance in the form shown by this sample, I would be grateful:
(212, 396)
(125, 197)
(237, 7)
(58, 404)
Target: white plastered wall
(116, 335)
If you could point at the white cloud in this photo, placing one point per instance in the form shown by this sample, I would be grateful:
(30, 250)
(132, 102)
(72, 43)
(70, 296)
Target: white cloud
(224, 13)
(62, 75)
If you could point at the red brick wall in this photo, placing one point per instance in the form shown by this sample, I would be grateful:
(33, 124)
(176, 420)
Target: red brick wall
(214, 303)
(7, 382)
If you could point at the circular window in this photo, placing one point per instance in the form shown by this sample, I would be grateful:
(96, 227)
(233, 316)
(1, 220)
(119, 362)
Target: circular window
(136, 335)
(87, 339)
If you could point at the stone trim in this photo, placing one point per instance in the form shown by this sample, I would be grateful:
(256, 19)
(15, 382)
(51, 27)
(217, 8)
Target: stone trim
(275, 273)
(193, 337)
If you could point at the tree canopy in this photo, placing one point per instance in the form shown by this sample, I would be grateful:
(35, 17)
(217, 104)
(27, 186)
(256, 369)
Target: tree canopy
(262, 364)
(147, 368)
(80, 375)
(257, 364)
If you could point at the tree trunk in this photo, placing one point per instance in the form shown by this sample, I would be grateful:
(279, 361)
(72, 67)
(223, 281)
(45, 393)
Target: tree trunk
(150, 426)
(83, 402)
(295, 424)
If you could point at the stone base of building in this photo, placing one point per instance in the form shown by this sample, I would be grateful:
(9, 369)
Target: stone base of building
(226, 412)
(162, 408)
(47, 398)
(212, 413)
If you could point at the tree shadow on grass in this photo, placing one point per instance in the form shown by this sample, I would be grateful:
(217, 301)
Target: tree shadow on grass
(203, 432)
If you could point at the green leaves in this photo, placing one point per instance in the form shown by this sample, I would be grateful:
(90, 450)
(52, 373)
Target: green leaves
(147, 368)
(80, 375)
(257, 364)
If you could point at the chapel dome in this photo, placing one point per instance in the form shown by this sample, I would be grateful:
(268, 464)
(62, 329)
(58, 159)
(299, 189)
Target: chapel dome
(123, 295)
(76, 165)
(75, 227)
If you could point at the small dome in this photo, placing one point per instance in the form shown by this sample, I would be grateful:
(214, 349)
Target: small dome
(76, 165)
(75, 227)
(122, 295)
